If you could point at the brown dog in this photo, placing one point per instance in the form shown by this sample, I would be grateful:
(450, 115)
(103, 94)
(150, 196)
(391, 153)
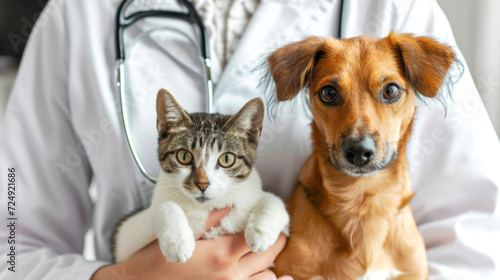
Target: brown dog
(349, 213)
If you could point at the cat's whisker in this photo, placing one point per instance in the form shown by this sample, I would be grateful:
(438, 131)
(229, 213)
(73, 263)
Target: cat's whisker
(156, 188)
(183, 199)
(164, 198)
(159, 188)
(148, 222)
(232, 196)
(171, 179)
(203, 140)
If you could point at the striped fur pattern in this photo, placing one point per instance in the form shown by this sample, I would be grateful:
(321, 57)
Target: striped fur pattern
(207, 163)
(205, 136)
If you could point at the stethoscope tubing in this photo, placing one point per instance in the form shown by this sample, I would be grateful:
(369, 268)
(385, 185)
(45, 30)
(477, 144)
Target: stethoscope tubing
(122, 22)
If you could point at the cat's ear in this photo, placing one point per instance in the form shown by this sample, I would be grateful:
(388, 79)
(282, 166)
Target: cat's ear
(169, 113)
(248, 121)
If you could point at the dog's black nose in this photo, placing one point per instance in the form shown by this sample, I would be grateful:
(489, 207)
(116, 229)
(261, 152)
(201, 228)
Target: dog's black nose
(359, 152)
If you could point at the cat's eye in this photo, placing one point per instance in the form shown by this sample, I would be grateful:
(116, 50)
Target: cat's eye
(227, 160)
(185, 157)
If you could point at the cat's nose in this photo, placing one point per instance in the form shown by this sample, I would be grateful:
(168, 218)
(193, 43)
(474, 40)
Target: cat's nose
(202, 186)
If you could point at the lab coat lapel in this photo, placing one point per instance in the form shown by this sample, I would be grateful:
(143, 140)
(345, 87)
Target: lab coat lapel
(273, 24)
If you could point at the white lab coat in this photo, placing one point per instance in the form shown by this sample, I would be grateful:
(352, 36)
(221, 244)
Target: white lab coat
(65, 98)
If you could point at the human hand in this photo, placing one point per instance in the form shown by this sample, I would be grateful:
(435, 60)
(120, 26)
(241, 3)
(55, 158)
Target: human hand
(228, 257)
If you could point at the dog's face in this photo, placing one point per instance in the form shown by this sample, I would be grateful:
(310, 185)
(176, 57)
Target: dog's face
(362, 92)
(362, 103)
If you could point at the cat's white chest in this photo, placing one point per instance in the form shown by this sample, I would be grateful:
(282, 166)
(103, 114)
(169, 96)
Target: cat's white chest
(242, 201)
(175, 219)
(241, 198)
(234, 222)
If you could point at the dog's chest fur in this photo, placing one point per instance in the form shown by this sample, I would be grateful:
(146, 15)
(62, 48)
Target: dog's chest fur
(355, 225)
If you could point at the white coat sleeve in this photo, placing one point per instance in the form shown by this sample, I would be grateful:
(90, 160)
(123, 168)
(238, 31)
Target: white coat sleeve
(453, 164)
(52, 204)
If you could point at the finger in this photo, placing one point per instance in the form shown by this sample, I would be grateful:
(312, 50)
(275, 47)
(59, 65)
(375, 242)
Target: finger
(254, 262)
(285, 277)
(266, 274)
(214, 219)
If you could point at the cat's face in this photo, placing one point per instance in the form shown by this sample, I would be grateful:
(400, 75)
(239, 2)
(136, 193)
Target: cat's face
(206, 154)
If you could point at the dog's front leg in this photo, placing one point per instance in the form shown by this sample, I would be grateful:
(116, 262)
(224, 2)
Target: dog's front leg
(267, 220)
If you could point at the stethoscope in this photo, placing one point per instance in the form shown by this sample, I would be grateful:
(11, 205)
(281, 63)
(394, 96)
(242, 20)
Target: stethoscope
(123, 21)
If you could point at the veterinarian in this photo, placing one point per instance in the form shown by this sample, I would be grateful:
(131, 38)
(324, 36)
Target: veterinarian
(63, 128)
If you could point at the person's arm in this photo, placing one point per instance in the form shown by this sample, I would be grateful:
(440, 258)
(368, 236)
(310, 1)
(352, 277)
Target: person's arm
(52, 174)
(453, 166)
(52, 204)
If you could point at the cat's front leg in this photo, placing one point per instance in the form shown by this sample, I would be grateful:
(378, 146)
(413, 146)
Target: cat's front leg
(267, 220)
(175, 237)
(131, 234)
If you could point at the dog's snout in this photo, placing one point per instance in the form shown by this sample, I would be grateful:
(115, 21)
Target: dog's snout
(359, 152)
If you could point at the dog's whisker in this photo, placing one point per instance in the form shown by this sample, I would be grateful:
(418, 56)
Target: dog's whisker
(320, 144)
(327, 160)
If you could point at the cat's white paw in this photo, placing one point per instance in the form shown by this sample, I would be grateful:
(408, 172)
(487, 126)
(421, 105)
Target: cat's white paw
(259, 239)
(177, 249)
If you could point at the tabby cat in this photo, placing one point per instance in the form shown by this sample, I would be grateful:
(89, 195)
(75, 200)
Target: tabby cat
(207, 163)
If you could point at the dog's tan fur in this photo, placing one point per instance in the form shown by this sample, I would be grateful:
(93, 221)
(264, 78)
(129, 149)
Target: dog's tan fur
(342, 226)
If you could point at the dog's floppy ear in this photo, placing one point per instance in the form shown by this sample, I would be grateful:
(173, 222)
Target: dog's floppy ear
(291, 65)
(425, 61)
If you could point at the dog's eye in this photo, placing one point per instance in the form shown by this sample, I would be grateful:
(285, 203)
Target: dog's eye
(391, 93)
(328, 94)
